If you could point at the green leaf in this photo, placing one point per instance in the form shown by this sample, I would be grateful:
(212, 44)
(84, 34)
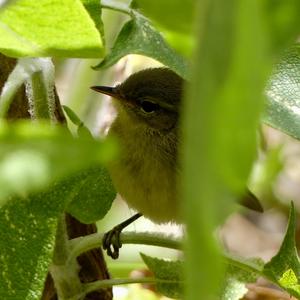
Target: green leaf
(82, 130)
(176, 26)
(172, 14)
(221, 115)
(138, 36)
(282, 20)
(283, 95)
(27, 236)
(93, 7)
(94, 197)
(33, 155)
(169, 275)
(284, 267)
(72, 116)
(49, 28)
(236, 279)
(290, 281)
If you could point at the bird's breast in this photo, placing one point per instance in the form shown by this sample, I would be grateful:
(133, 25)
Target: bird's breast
(145, 176)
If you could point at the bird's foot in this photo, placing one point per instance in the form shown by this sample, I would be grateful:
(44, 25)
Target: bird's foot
(111, 241)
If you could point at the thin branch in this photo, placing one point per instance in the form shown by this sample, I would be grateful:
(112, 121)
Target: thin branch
(97, 285)
(83, 244)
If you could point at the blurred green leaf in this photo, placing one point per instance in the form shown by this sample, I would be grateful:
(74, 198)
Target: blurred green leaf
(174, 15)
(183, 43)
(265, 173)
(283, 95)
(221, 116)
(168, 274)
(50, 28)
(138, 36)
(27, 236)
(34, 155)
(284, 267)
(94, 197)
(282, 21)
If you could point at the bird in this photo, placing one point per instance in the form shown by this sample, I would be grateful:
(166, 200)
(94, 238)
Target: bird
(147, 172)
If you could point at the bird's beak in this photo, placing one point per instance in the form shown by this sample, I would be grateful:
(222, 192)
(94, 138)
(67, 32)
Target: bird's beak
(110, 91)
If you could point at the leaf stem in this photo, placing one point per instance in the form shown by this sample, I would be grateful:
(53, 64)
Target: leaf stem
(116, 6)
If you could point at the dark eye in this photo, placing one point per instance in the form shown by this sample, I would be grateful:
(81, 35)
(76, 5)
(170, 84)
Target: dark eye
(149, 106)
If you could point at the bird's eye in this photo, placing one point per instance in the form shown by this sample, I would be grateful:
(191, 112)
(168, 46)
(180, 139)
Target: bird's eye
(149, 106)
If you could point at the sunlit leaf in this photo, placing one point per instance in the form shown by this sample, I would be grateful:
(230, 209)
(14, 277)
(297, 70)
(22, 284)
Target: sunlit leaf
(93, 7)
(290, 281)
(49, 28)
(138, 36)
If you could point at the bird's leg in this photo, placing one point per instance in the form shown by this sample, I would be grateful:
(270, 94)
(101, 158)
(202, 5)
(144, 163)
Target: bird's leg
(111, 238)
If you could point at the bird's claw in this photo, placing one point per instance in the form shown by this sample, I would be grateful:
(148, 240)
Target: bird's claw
(111, 242)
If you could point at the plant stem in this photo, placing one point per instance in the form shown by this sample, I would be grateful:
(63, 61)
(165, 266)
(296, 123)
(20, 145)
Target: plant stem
(39, 96)
(83, 244)
(65, 275)
(61, 244)
(116, 6)
(94, 286)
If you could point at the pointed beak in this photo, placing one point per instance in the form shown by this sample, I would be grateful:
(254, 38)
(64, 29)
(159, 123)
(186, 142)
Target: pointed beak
(110, 91)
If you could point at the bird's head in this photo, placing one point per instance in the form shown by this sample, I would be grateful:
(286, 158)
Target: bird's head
(151, 96)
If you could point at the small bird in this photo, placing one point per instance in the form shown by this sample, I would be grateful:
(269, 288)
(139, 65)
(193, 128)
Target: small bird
(147, 172)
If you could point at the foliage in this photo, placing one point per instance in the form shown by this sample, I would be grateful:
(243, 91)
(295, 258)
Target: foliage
(168, 275)
(139, 37)
(45, 171)
(27, 29)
